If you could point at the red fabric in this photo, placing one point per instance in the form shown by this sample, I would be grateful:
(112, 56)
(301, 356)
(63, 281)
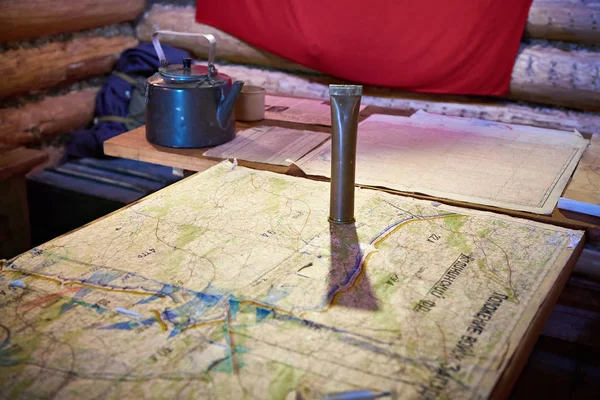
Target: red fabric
(436, 46)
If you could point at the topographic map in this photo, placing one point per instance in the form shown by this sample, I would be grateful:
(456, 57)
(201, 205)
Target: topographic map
(232, 284)
(513, 167)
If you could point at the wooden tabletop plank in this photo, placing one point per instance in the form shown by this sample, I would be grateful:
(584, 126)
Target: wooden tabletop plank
(133, 145)
(585, 184)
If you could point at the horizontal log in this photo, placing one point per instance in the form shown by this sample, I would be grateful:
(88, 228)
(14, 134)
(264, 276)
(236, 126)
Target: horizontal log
(315, 86)
(567, 20)
(588, 265)
(550, 75)
(5, 147)
(581, 293)
(49, 117)
(573, 325)
(32, 18)
(19, 162)
(26, 70)
(542, 74)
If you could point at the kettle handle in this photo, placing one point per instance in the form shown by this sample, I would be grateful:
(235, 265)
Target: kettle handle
(211, 49)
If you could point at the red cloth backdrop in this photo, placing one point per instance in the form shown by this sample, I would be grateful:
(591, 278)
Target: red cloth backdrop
(435, 46)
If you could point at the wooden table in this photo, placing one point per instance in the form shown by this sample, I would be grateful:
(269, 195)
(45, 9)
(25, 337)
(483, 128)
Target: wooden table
(14, 210)
(133, 145)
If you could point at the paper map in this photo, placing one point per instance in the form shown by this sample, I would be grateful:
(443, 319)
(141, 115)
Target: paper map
(302, 111)
(231, 284)
(269, 145)
(486, 163)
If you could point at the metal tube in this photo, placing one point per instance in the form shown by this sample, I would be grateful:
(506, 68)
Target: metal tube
(345, 107)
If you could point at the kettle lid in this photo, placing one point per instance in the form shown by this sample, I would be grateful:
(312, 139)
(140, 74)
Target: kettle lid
(186, 72)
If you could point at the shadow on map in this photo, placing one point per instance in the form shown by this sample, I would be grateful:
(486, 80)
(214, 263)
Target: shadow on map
(349, 285)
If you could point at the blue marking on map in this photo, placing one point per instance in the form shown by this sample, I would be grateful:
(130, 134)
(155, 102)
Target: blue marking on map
(17, 283)
(225, 364)
(9, 362)
(190, 313)
(262, 313)
(276, 294)
(76, 302)
(389, 227)
(234, 306)
(129, 325)
(348, 277)
(166, 291)
(98, 278)
(7, 352)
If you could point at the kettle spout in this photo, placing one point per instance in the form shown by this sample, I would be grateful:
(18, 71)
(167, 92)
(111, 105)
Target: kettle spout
(227, 105)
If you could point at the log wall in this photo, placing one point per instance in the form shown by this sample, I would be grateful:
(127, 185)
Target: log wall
(33, 18)
(54, 115)
(54, 57)
(316, 86)
(575, 21)
(567, 76)
(27, 70)
(543, 73)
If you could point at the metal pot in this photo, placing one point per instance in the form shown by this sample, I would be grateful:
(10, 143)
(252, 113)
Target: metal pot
(190, 106)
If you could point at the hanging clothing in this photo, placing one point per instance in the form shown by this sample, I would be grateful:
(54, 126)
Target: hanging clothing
(436, 46)
(112, 103)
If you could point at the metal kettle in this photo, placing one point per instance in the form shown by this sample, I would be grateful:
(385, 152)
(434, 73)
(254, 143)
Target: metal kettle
(190, 106)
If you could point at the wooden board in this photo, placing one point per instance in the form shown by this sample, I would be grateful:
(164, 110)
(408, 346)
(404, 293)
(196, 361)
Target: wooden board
(135, 146)
(585, 185)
